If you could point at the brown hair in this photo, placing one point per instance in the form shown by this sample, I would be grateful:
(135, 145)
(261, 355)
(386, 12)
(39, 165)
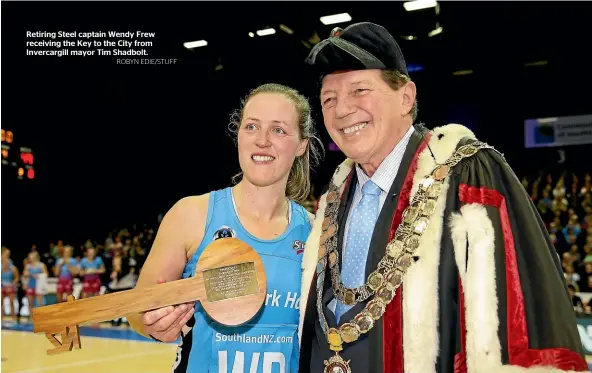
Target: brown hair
(396, 79)
(298, 186)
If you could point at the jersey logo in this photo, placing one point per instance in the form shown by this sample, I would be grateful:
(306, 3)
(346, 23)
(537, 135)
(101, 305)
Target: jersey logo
(224, 232)
(298, 246)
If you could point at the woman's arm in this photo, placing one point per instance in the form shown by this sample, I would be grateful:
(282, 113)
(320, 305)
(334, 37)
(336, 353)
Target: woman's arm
(56, 268)
(44, 269)
(180, 231)
(16, 275)
(73, 269)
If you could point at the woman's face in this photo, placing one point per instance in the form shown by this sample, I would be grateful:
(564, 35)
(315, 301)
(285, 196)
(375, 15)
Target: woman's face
(33, 257)
(269, 139)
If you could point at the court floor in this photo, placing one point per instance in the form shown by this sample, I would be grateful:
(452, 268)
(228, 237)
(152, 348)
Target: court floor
(104, 350)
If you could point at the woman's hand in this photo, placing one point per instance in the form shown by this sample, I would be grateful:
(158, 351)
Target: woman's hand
(165, 323)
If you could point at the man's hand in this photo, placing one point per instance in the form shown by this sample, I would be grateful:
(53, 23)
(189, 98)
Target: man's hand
(165, 323)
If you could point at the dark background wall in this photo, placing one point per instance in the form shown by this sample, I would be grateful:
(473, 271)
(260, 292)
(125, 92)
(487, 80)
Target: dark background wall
(119, 144)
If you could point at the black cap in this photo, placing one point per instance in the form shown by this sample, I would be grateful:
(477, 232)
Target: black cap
(359, 46)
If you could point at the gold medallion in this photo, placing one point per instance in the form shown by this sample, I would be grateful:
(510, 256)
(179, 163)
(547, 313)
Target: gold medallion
(393, 278)
(385, 294)
(326, 223)
(334, 339)
(434, 190)
(331, 230)
(322, 251)
(350, 332)
(410, 214)
(332, 196)
(404, 261)
(332, 258)
(441, 172)
(336, 364)
(429, 207)
(365, 322)
(412, 243)
(349, 298)
(375, 280)
(420, 225)
(376, 308)
(394, 248)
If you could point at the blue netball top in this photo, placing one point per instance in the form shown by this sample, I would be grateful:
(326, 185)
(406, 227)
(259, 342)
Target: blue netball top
(96, 264)
(7, 275)
(269, 342)
(34, 270)
(64, 270)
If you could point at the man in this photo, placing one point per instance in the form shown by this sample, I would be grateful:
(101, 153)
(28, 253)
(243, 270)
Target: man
(426, 254)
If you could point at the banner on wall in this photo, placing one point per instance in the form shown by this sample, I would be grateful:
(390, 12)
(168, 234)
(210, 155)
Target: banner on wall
(585, 329)
(560, 131)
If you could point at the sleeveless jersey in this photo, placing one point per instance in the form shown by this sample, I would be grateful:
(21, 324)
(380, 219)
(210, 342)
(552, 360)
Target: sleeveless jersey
(269, 342)
(34, 270)
(7, 275)
(64, 270)
(85, 263)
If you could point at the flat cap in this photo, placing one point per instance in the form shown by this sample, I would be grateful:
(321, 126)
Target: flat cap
(359, 46)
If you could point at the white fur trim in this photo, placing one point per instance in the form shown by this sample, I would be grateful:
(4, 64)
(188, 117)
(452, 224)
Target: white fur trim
(420, 287)
(420, 284)
(483, 348)
(311, 248)
(458, 232)
(443, 143)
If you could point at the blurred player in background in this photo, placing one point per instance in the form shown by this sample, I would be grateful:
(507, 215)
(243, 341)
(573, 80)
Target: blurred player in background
(10, 279)
(33, 270)
(91, 269)
(65, 269)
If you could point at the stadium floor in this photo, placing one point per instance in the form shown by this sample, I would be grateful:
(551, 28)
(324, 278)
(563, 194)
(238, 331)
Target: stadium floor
(104, 349)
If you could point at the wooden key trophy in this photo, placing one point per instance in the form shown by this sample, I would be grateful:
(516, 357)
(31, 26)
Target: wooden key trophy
(229, 282)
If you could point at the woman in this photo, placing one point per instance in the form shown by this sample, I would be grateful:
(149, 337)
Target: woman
(65, 269)
(33, 269)
(91, 269)
(10, 279)
(274, 130)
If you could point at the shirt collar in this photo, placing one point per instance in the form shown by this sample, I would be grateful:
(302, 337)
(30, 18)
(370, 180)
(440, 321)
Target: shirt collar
(387, 170)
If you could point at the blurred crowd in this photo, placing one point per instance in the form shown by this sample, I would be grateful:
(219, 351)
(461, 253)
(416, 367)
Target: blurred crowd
(565, 204)
(108, 265)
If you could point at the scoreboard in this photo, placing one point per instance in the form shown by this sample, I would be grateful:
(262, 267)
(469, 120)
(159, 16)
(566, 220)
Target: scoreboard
(16, 160)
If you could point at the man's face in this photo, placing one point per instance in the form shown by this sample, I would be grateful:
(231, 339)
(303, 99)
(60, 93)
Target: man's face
(364, 115)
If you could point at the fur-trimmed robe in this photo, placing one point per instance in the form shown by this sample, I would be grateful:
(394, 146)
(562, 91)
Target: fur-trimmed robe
(487, 293)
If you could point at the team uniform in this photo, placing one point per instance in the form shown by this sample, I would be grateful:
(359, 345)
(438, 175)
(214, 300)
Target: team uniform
(91, 283)
(268, 343)
(65, 276)
(8, 287)
(32, 284)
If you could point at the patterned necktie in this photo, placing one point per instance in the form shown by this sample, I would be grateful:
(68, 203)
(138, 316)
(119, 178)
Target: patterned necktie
(359, 235)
